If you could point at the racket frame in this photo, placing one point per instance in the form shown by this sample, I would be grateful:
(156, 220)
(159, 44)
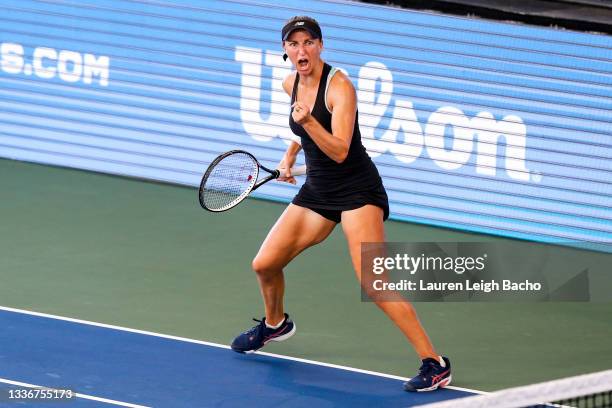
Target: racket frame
(254, 185)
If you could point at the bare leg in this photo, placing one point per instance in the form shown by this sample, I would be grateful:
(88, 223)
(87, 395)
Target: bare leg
(297, 229)
(365, 224)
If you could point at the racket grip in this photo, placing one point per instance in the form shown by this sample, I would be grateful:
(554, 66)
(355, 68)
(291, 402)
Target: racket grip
(295, 171)
(298, 171)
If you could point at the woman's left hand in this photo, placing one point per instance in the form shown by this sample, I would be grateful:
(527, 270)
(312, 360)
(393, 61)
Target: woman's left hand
(285, 166)
(301, 113)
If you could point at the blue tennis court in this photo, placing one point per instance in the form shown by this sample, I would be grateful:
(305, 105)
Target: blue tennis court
(107, 365)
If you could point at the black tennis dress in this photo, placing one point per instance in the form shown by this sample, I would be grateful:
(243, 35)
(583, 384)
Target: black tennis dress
(331, 187)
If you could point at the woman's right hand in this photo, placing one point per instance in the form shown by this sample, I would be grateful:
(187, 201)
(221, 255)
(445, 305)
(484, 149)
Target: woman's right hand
(285, 166)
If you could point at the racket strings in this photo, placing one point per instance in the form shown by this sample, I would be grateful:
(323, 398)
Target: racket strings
(228, 181)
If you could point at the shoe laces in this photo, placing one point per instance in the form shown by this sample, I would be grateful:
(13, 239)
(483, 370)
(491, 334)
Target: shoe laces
(256, 328)
(426, 368)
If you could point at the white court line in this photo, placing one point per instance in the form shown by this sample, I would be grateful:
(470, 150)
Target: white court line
(76, 394)
(206, 343)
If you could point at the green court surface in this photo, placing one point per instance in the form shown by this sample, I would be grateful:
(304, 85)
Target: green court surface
(146, 256)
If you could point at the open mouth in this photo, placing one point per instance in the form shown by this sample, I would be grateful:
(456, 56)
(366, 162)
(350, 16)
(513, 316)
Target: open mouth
(302, 63)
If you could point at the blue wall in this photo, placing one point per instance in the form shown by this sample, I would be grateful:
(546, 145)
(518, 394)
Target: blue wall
(482, 126)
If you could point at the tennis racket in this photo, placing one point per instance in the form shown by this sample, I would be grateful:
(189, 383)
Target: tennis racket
(231, 177)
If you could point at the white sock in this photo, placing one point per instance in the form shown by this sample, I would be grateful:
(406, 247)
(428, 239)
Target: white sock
(442, 362)
(269, 326)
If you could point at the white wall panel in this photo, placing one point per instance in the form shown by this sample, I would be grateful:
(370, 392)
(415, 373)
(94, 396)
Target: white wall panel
(476, 125)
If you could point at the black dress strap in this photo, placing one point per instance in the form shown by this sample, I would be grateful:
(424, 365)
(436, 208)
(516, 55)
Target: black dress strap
(295, 85)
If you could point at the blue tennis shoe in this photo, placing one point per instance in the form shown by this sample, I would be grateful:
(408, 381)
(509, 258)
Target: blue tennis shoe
(432, 375)
(260, 335)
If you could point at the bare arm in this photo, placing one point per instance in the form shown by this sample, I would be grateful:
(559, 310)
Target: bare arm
(342, 100)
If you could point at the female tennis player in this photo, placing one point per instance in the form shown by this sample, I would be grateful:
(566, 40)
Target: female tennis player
(342, 186)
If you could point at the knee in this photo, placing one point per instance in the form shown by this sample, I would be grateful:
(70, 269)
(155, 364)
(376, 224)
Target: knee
(383, 298)
(369, 294)
(263, 267)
